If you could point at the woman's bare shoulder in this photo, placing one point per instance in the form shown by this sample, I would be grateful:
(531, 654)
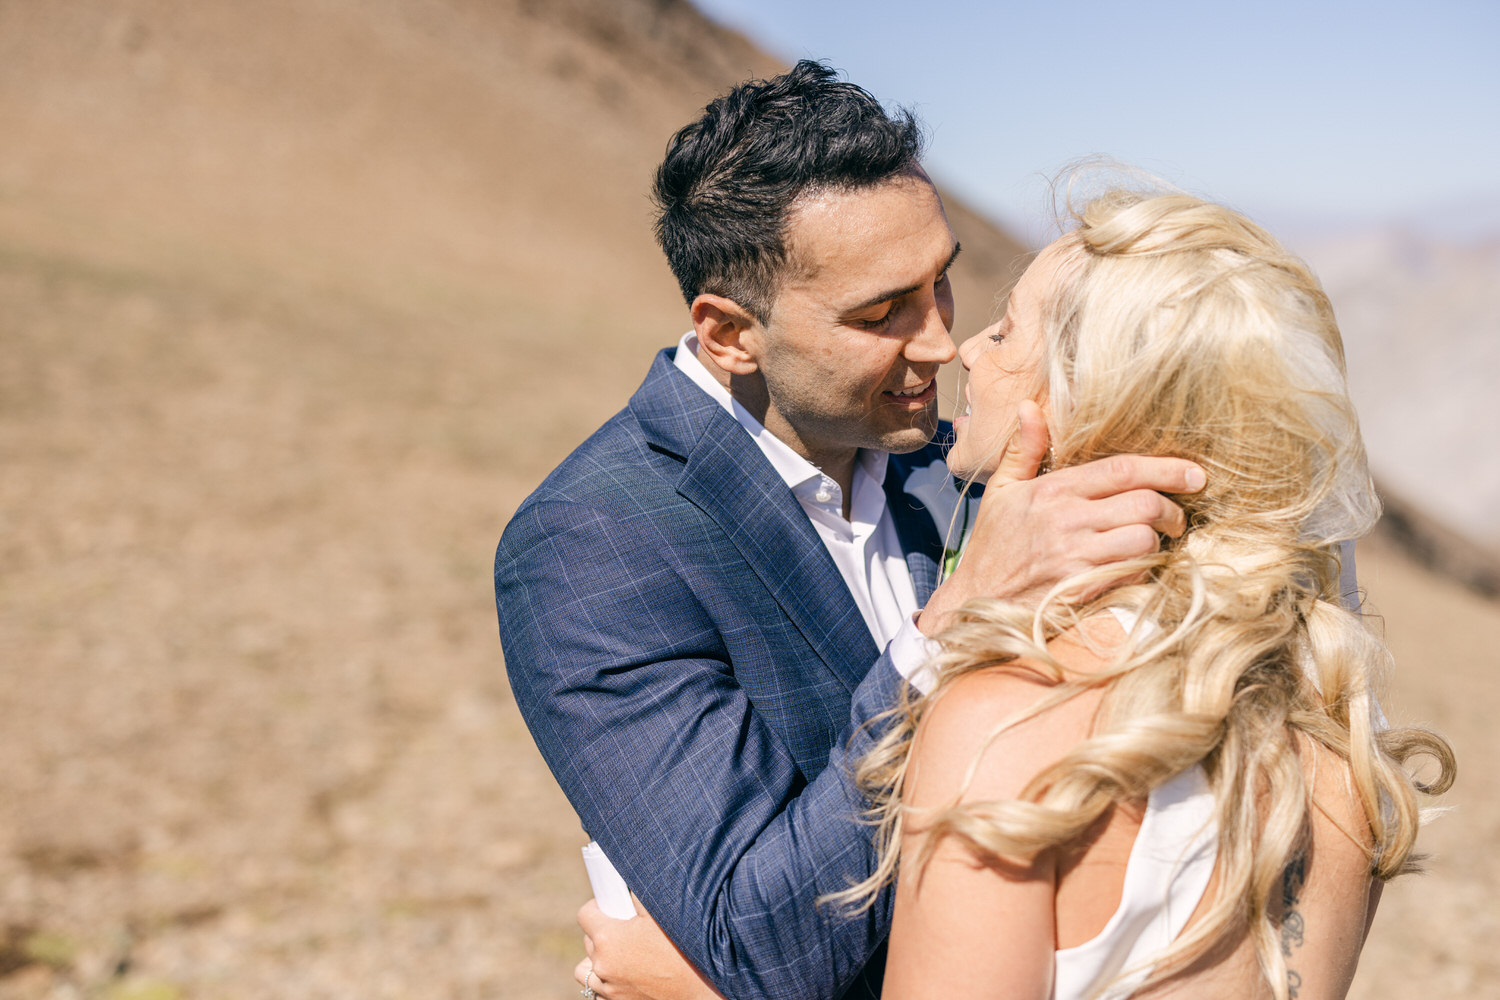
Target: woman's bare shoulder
(1008, 722)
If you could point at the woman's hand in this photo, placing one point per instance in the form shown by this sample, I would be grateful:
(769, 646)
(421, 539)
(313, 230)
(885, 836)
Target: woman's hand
(634, 960)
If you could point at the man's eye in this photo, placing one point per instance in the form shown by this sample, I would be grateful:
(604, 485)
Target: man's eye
(882, 322)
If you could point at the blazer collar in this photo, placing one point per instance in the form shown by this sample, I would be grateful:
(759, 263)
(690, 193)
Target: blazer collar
(730, 479)
(672, 411)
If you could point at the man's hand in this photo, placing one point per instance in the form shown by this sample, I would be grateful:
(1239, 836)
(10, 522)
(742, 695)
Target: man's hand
(1033, 532)
(633, 960)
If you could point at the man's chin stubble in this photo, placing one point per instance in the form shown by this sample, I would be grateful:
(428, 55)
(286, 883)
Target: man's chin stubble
(914, 438)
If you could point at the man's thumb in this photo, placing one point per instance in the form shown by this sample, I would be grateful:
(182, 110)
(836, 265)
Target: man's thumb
(1027, 446)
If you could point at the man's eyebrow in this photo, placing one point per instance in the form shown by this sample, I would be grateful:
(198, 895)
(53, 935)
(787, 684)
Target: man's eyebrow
(888, 296)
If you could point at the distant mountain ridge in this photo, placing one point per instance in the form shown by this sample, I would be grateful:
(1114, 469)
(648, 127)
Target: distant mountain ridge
(1420, 316)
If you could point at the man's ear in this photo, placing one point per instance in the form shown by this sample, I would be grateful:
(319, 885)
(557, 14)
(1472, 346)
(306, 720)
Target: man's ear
(727, 332)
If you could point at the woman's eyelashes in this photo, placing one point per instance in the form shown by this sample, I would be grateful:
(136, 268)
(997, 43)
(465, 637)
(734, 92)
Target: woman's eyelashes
(1004, 328)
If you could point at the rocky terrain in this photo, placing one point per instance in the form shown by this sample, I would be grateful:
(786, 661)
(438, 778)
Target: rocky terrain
(297, 301)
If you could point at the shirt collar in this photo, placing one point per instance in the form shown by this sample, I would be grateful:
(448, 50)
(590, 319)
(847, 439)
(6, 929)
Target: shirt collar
(797, 472)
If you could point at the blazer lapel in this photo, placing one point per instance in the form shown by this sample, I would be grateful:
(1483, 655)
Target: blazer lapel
(917, 530)
(728, 477)
(741, 491)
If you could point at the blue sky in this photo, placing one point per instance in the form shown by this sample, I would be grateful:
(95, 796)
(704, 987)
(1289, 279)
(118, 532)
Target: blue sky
(1310, 116)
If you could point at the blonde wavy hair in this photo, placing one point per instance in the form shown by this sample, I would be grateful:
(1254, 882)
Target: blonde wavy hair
(1178, 327)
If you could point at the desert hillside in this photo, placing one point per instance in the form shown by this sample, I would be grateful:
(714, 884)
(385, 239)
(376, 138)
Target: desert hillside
(1422, 333)
(297, 301)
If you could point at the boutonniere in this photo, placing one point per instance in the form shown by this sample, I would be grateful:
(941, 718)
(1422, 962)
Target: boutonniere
(952, 513)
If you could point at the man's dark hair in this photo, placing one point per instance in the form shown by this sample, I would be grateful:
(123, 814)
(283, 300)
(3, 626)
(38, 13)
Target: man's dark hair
(726, 187)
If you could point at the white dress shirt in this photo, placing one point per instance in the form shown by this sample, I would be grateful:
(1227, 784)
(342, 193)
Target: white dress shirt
(864, 547)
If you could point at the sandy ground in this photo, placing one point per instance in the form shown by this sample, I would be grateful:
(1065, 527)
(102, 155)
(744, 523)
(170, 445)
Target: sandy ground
(282, 345)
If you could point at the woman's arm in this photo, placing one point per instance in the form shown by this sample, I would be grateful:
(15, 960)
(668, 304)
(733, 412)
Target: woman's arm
(966, 929)
(1327, 897)
(962, 926)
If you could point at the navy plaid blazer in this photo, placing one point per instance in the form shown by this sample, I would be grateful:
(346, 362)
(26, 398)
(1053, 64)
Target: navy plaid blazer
(696, 674)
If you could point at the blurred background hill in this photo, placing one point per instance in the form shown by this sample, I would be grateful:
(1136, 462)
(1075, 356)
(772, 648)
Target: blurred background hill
(1422, 333)
(297, 302)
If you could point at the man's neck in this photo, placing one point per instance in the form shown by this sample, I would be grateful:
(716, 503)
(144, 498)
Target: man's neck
(750, 392)
(836, 464)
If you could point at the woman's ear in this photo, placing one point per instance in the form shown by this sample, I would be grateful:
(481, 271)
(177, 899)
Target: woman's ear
(728, 332)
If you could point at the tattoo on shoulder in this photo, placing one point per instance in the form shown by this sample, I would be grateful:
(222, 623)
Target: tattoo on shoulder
(1293, 925)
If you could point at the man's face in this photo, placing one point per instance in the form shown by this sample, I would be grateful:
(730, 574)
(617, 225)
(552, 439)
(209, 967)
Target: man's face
(861, 325)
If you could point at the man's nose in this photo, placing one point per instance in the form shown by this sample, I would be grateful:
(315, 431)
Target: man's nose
(933, 342)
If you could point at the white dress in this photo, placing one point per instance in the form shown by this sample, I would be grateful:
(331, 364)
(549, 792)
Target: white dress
(1168, 871)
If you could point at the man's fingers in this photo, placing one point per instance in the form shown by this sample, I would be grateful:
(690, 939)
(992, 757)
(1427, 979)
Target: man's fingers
(1122, 473)
(1023, 455)
(1031, 534)
(1125, 542)
(1138, 507)
(1094, 549)
(1104, 549)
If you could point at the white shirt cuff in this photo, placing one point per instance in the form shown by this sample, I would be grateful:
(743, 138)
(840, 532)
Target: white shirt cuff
(911, 655)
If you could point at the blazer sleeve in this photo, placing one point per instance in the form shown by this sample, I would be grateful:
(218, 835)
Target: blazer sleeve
(623, 679)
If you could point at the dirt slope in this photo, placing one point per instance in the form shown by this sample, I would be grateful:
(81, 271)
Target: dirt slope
(296, 302)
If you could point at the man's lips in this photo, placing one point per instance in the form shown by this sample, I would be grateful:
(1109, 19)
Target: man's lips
(917, 395)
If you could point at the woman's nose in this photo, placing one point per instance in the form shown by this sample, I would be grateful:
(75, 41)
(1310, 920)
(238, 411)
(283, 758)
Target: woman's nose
(969, 348)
